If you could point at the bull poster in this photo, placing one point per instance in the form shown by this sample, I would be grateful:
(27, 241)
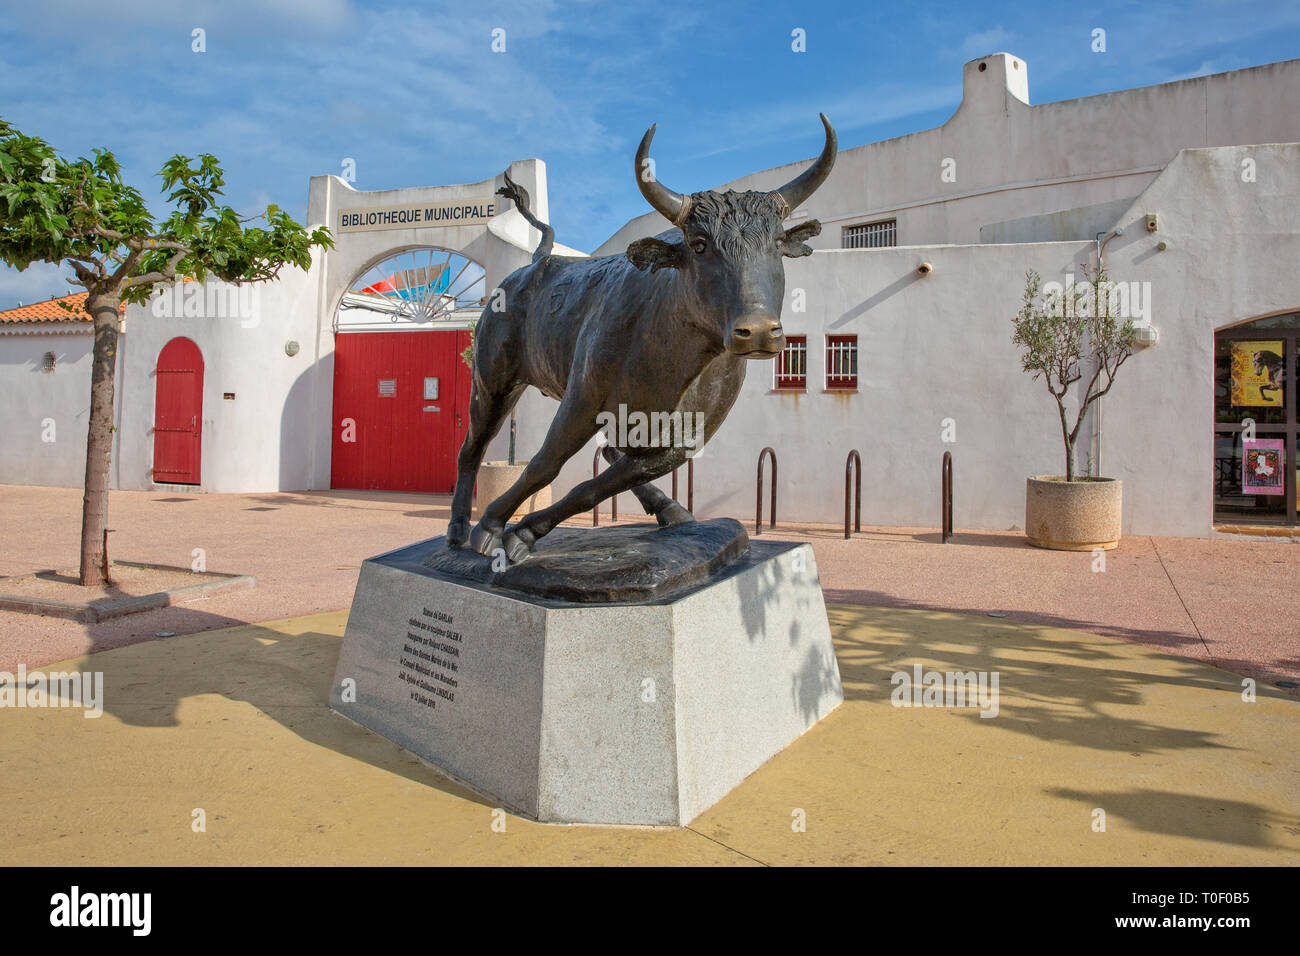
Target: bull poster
(1257, 372)
(1261, 467)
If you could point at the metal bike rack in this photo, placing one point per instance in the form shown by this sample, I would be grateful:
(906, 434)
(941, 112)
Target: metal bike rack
(690, 484)
(613, 502)
(853, 459)
(946, 533)
(758, 511)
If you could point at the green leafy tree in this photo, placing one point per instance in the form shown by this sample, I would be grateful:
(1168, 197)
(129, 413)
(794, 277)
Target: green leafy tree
(1067, 334)
(80, 213)
(467, 356)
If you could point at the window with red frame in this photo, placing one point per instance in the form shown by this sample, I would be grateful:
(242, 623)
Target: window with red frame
(792, 364)
(841, 361)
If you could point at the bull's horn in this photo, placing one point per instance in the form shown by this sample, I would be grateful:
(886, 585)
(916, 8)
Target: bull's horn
(673, 206)
(805, 184)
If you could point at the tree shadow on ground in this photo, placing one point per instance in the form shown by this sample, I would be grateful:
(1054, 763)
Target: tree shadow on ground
(287, 677)
(1100, 698)
(974, 539)
(1071, 689)
(442, 513)
(1186, 815)
(1174, 641)
(344, 498)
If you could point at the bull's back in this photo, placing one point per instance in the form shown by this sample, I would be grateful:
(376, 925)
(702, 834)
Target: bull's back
(564, 303)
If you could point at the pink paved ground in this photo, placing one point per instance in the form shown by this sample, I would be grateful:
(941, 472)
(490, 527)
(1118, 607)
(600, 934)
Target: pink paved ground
(1227, 602)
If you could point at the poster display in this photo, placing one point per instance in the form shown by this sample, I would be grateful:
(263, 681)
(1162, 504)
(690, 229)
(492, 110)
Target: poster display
(1257, 372)
(1262, 467)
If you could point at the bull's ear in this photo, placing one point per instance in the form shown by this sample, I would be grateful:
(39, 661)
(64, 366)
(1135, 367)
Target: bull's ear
(654, 254)
(792, 244)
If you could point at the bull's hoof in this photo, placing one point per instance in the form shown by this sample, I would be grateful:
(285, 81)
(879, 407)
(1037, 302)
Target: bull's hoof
(484, 541)
(457, 532)
(519, 544)
(673, 514)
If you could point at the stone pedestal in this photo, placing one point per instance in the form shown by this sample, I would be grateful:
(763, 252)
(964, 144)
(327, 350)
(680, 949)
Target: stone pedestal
(642, 712)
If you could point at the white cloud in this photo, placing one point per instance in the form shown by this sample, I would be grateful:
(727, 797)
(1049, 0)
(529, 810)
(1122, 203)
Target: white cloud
(993, 40)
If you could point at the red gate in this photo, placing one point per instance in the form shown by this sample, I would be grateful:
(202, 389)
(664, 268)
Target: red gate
(401, 409)
(178, 414)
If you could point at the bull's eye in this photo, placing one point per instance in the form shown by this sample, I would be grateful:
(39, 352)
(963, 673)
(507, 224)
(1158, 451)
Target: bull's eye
(699, 244)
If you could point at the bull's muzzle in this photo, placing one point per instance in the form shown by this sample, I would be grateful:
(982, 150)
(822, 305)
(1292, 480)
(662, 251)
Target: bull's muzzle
(756, 336)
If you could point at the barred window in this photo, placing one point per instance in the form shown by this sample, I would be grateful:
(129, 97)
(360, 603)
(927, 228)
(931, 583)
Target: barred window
(871, 235)
(841, 361)
(792, 364)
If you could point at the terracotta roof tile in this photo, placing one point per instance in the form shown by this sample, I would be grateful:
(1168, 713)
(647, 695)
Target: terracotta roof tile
(49, 310)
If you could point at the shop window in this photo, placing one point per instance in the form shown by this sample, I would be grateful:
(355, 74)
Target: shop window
(1255, 431)
(792, 364)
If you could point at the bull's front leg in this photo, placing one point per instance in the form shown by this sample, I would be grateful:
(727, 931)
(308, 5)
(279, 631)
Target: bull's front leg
(625, 473)
(572, 427)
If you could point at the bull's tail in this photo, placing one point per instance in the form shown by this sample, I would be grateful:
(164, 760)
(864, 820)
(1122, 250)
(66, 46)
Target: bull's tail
(512, 190)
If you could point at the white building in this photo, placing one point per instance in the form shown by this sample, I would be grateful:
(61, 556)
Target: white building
(1202, 176)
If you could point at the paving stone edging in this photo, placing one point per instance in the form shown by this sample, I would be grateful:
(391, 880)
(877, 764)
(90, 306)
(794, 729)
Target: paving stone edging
(97, 611)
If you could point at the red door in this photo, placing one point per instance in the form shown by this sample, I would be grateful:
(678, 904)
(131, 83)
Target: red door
(401, 409)
(178, 414)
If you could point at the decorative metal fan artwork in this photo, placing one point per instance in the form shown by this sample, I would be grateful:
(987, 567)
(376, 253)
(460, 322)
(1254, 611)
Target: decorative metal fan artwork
(419, 285)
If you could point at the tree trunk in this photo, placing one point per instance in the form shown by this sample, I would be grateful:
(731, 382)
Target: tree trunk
(1069, 443)
(99, 440)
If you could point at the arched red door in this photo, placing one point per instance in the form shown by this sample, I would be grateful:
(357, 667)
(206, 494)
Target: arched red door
(178, 414)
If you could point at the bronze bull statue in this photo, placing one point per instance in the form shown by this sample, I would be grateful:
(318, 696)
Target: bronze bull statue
(662, 330)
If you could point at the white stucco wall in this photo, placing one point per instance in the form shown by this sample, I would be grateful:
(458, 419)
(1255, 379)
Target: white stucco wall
(262, 439)
(1232, 251)
(926, 349)
(275, 434)
(929, 348)
(500, 246)
(1012, 160)
(1058, 226)
(34, 398)
(940, 347)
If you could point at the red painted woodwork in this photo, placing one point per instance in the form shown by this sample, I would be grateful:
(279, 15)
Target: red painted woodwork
(178, 414)
(398, 441)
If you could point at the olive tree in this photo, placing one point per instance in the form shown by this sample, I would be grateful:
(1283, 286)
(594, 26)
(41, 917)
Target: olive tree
(79, 213)
(1069, 333)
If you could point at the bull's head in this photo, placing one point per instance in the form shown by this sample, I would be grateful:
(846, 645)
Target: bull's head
(731, 248)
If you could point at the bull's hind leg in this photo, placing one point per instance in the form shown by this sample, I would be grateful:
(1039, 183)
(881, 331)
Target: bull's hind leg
(487, 411)
(624, 474)
(666, 511)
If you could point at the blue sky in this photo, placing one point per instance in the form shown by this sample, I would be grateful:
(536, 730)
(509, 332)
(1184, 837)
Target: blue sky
(414, 94)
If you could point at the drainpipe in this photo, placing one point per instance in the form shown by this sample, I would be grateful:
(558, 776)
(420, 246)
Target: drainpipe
(1095, 450)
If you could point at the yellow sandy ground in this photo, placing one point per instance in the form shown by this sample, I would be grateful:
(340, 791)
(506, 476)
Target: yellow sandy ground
(234, 722)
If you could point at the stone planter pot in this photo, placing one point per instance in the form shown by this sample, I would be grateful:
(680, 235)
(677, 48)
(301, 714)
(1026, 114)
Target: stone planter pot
(496, 477)
(1073, 515)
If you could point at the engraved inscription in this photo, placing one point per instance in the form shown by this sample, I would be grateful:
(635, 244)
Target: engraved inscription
(430, 658)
